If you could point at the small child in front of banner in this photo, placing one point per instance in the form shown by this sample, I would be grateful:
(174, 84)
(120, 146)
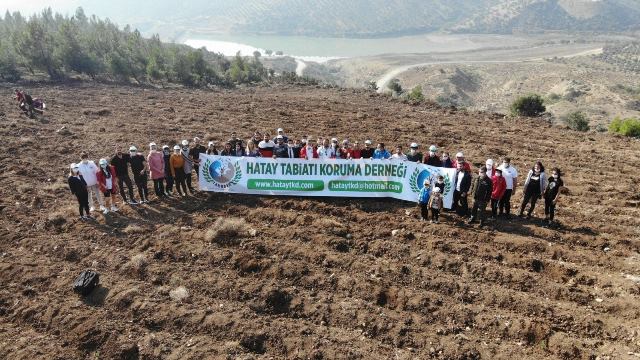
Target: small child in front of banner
(423, 200)
(435, 204)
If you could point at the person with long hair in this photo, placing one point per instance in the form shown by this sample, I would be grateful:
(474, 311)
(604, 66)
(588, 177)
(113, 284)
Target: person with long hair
(534, 187)
(551, 194)
(78, 187)
(107, 182)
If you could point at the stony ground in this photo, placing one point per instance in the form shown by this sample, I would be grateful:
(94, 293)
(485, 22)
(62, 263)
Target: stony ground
(264, 277)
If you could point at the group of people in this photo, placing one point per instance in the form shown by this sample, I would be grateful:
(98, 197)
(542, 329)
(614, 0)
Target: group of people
(494, 186)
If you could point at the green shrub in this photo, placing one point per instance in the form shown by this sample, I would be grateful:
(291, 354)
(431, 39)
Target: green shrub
(416, 94)
(529, 105)
(577, 121)
(395, 87)
(627, 127)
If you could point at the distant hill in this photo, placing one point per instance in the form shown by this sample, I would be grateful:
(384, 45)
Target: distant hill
(370, 18)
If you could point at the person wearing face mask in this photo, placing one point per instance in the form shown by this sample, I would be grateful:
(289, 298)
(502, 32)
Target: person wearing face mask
(266, 147)
(280, 132)
(490, 168)
(155, 159)
(461, 190)
(107, 182)
(432, 158)
(120, 162)
(510, 174)
(188, 165)
(381, 152)
(166, 156)
(139, 169)
(176, 164)
(460, 159)
(88, 170)
(398, 154)
(534, 187)
(367, 152)
(325, 151)
(414, 155)
(356, 151)
(440, 184)
(211, 149)
(335, 147)
(345, 150)
(446, 161)
(481, 190)
(309, 151)
(194, 154)
(78, 187)
(551, 194)
(499, 188)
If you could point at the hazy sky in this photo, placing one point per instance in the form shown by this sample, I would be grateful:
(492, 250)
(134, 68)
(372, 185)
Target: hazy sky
(31, 6)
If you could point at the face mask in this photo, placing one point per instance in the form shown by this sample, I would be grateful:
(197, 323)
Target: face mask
(489, 167)
(186, 148)
(75, 171)
(432, 153)
(440, 181)
(104, 166)
(166, 152)
(413, 151)
(498, 174)
(506, 165)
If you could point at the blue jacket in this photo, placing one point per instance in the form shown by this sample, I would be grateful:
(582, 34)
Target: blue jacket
(384, 154)
(425, 194)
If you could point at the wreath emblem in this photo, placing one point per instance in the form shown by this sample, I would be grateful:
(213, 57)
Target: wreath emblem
(413, 180)
(222, 173)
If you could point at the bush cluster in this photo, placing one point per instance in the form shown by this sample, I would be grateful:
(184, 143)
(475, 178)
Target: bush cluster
(627, 127)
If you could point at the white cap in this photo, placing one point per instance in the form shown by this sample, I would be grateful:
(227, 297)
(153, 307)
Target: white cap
(436, 189)
(280, 129)
(132, 148)
(459, 155)
(426, 182)
(152, 144)
(490, 162)
(185, 142)
(103, 162)
(345, 141)
(368, 142)
(279, 137)
(414, 145)
(177, 147)
(165, 147)
(334, 140)
(73, 166)
(211, 143)
(433, 148)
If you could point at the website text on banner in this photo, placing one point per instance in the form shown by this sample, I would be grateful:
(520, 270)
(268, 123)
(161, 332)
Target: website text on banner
(337, 178)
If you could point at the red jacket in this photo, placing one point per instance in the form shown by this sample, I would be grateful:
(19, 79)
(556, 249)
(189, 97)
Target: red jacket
(465, 166)
(303, 153)
(102, 180)
(499, 187)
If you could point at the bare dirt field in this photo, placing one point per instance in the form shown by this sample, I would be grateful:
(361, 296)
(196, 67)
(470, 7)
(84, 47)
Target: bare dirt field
(310, 278)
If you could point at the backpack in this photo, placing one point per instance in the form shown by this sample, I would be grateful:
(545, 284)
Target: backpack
(86, 282)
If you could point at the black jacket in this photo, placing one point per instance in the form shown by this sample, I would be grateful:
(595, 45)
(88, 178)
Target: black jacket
(281, 151)
(482, 189)
(466, 182)
(414, 158)
(432, 161)
(120, 164)
(77, 185)
(366, 153)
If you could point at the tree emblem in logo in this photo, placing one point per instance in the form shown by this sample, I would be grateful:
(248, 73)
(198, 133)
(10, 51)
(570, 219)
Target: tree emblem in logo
(222, 173)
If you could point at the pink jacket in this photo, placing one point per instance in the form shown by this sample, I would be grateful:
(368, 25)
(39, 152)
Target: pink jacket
(156, 165)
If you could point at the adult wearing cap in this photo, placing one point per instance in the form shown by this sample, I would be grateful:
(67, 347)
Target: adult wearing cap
(367, 152)
(88, 170)
(460, 159)
(78, 187)
(414, 155)
(325, 151)
(510, 174)
(461, 190)
(188, 164)
(266, 147)
(176, 165)
(281, 150)
(120, 161)
(194, 153)
(107, 183)
(432, 158)
(139, 169)
(280, 132)
(335, 147)
(491, 170)
(211, 149)
(155, 159)
(166, 156)
(309, 151)
(381, 153)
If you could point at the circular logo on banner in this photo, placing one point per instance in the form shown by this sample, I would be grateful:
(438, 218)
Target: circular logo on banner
(417, 179)
(222, 173)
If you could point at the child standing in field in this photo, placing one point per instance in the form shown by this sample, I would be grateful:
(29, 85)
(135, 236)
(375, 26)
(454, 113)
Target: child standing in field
(440, 184)
(435, 204)
(423, 200)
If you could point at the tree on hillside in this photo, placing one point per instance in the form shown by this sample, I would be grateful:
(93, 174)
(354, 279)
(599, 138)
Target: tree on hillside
(257, 54)
(268, 52)
(35, 44)
(529, 105)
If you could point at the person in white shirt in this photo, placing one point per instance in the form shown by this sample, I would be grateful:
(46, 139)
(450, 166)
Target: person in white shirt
(88, 170)
(326, 151)
(398, 154)
(510, 175)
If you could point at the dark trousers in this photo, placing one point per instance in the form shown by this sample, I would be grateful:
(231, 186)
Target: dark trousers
(435, 214)
(529, 198)
(424, 211)
(478, 210)
(188, 181)
(505, 203)
(196, 168)
(125, 180)
(141, 184)
(180, 181)
(169, 180)
(460, 204)
(158, 187)
(83, 203)
(494, 207)
(549, 208)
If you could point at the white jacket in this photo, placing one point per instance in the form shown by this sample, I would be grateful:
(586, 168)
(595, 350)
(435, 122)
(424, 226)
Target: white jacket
(88, 172)
(326, 153)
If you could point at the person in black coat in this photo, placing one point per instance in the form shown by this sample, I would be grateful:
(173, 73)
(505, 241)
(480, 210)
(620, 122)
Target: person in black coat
(462, 184)
(78, 187)
(166, 153)
(482, 189)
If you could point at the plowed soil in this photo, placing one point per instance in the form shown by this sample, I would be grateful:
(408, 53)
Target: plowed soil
(305, 277)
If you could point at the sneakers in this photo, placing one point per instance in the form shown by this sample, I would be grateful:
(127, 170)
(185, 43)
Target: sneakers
(105, 211)
(430, 221)
(102, 208)
(114, 208)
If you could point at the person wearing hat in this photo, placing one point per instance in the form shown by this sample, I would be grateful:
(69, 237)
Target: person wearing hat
(381, 153)
(398, 154)
(414, 155)
(120, 161)
(155, 159)
(423, 200)
(325, 151)
(166, 157)
(367, 152)
(139, 169)
(88, 170)
(491, 170)
(461, 159)
(107, 183)
(281, 150)
(461, 190)
(481, 190)
(176, 165)
(432, 158)
(188, 165)
(266, 147)
(309, 151)
(280, 132)
(499, 188)
(211, 149)
(435, 204)
(78, 187)
(195, 152)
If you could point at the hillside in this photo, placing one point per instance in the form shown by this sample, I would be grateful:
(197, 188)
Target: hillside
(319, 278)
(360, 18)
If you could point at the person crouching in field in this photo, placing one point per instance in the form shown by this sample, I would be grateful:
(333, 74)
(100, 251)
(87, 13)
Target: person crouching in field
(435, 204)
(481, 191)
(423, 200)
(499, 189)
(107, 183)
(551, 194)
(78, 187)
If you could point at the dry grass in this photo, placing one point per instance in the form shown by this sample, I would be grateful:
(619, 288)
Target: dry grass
(179, 294)
(228, 231)
(134, 229)
(137, 266)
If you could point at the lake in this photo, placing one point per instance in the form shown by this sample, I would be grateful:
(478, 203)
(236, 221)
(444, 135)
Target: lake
(323, 49)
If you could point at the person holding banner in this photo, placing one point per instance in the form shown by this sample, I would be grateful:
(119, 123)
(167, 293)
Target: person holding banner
(326, 151)
(356, 151)
(211, 149)
(432, 158)
(227, 151)
(281, 150)
(381, 152)
(446, 161)
(309, 151)
(367, 152)
(266, 146)
(414, 155)
(398, 154)
(251, 149)
(463, 184)
(460, 159)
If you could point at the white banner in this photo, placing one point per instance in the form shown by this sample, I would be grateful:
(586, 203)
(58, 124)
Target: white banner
(334, 178)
